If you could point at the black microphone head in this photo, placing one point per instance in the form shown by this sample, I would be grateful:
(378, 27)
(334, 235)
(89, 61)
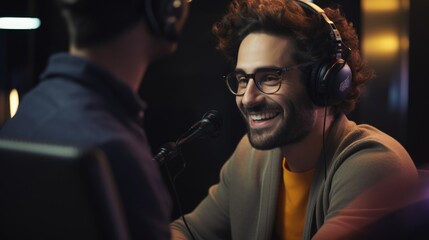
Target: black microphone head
(208, 126)
(214, 121)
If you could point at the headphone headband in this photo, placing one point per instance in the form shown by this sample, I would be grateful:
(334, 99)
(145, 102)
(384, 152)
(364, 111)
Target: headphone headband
(334, 33)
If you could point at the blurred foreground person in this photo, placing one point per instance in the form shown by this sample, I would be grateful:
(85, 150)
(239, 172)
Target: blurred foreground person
(88, 97)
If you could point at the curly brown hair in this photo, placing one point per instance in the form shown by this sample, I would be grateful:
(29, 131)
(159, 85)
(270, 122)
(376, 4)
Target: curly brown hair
(310, 34)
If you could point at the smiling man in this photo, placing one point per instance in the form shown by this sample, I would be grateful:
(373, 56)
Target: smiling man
(303, 170)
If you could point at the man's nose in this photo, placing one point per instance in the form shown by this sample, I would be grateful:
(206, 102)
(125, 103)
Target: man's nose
(252, 94)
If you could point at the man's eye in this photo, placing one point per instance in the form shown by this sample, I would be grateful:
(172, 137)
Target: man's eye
(241, 80)
(269, 78)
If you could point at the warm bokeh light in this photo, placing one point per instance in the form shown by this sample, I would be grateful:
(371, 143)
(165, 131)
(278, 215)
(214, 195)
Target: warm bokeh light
(386, 43)
(380, 5)
(19, 23)
(13, 102)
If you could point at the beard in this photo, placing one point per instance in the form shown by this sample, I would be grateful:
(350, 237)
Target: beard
(297, 123)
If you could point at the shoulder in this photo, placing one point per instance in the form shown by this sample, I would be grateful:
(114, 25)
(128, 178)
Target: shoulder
(351, 139)
(362, 148)
(370, 141)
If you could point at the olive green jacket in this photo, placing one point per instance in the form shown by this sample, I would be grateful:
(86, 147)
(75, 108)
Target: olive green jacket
(243, 205)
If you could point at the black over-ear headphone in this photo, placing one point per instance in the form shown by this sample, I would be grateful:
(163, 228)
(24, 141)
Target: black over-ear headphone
(330, 80)
(165, 16)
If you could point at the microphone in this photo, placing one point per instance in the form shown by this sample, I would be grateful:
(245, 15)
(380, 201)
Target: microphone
(209, 125)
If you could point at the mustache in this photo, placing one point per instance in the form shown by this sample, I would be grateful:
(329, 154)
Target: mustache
(259, 108)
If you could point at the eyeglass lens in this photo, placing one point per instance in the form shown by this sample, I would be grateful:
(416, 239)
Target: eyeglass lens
(267, 81)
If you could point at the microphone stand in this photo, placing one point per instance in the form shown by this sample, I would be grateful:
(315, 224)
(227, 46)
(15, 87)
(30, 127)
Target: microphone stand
(207, 126)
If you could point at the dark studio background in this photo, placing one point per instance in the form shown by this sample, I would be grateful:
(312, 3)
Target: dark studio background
(180, 88)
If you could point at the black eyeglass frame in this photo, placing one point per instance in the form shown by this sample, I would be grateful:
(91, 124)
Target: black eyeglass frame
(280, 71)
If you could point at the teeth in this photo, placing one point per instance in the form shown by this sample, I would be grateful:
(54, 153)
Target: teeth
(263, 116)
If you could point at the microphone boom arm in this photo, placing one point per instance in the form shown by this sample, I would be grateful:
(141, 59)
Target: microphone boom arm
(209, 125)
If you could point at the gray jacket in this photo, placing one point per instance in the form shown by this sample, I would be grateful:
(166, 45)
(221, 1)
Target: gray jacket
(359, 159)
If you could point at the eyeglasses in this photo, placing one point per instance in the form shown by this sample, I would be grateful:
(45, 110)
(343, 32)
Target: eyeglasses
(267, 80)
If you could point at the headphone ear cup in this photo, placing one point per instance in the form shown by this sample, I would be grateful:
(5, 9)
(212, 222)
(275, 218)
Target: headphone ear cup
(330, 83)
(164, 17)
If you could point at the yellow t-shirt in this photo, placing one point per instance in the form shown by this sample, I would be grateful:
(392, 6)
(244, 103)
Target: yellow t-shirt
(292, 204)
